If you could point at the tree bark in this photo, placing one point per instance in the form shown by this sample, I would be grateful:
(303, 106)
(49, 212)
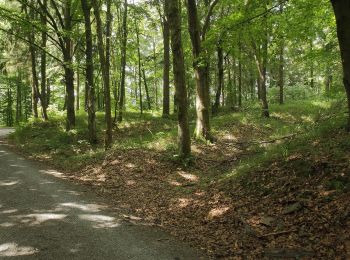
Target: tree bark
(173, 14)
(139, 66)
(68, 66)
(104, 67)
(43, 94)
(342, 14)
(146, 89)
(90, 89)
(121, 102)
(166, 67)
(220, 80)
(200, 68)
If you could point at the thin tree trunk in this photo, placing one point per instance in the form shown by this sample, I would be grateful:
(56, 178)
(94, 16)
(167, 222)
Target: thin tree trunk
(104, 66)
(281, 73)
(35, 81)
(123, 62)
(146, 89)
(139, 66)
(43, 97)
(173, 14)
(240, 75)
(220, 80)
(68, 67)
(166, 67)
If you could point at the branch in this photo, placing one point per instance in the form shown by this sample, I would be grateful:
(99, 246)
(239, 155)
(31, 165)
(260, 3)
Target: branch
(208, 16)
(32, 43)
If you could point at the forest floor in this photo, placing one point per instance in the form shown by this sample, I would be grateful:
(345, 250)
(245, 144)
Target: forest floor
(267, 188)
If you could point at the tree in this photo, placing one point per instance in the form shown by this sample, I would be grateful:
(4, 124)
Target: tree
(123, 62)
(200, 65)
(174, 17)
(104, 54)
(342, 14)
(89, 73)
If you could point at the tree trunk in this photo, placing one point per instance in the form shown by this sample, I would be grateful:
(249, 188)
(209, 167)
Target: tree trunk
(123, 63)
(220, 80)
(35, 81)
(202, 87)
(68, 67)
(90, 89)
(166, 67)
(173, 14)
(139, 66)
(240, 75)
(43, 97)
(146, 89)
(104, 66)
(281, 73)
(342, 14)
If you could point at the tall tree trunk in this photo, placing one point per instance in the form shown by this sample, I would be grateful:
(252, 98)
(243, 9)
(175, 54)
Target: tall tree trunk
(265, 106)
(281, 73)
(202, 87)
(43, 94)
(18, 101)
(89, 78)
(68, 66)
(123, 62)
(35, 81)
(312, 81)
(166, 67)
(342, 14)
(104, 67)
(78, 90)
(240, 75)
(281, 64)
(146, 89)
(139, 66)
(173, 14)
(220, 79)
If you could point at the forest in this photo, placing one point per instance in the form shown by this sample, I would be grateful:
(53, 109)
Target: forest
(224, 122)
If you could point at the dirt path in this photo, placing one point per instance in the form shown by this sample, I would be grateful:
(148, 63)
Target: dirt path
(45, 217)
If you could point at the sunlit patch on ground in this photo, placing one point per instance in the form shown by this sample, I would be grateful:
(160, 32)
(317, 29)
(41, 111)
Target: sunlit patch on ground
(82, 207)
(8, 183)
(39, 218)
(9, 211)
(187, 176)
(101, 221)
(217, 212)
(13, 249)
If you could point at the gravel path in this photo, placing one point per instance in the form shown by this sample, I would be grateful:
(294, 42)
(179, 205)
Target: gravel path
(45, 217)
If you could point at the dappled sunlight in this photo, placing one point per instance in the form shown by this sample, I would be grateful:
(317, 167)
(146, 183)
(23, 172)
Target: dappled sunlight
(130, 182)
(217, 212)
(7, 224)
(283, 116)
(189, 177)
(100, 221)
(184, 202)
(175, 183)
(37, 219)
(9, 211)
(307, 119)
(52, 173)
(71, 192)
(13, 249)
(82, 207)
(8, 183)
